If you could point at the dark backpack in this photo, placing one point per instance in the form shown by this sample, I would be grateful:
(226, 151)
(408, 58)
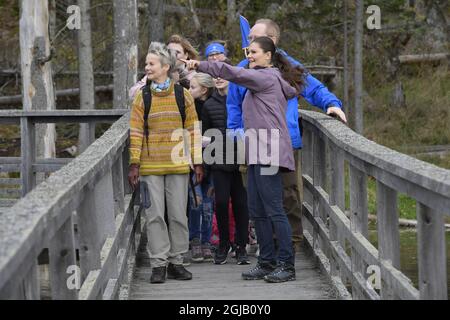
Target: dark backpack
(147, 97)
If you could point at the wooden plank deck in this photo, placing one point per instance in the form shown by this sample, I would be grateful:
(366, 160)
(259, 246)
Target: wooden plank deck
(223, 282)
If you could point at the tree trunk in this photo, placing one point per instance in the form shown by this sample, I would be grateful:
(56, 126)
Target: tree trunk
(52, 17)
(358, 105)
(133, 44)
(346, 78)
(86, 74)
(156, 20)
(199, 34)
(231, 14)
(197, 24)
(121, 20)
(37, 82)
(436, 12)
(398, 96)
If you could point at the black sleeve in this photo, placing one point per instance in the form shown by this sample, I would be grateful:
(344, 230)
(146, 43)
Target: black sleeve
(206, 120)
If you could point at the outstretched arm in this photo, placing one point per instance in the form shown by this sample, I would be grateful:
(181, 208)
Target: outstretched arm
(249, 78)
(318, 95)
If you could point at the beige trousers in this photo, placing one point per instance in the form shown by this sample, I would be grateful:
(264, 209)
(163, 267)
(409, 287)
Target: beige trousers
(167, 244)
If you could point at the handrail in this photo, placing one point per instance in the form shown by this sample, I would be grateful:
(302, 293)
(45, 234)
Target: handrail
(341, 243)
(89, 192)
(13, 116)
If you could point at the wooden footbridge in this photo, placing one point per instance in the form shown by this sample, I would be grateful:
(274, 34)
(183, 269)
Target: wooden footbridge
(82, 223)
(77, 233)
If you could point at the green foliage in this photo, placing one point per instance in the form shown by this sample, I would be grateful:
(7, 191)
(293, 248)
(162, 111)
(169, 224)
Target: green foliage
(425, 119)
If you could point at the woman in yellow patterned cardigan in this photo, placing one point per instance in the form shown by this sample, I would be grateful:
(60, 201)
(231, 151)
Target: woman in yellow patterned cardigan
(154, 159)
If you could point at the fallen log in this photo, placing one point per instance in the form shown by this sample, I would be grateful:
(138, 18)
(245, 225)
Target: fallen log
(416, 58)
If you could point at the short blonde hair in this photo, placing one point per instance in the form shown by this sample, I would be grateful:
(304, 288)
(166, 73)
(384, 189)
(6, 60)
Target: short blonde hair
(205, 80)
(165, 55)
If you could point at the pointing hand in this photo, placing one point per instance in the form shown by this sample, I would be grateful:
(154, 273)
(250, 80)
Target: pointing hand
(191, 64)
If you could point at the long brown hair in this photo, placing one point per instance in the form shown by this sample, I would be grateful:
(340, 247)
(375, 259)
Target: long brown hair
(294, 75)
(187, 46)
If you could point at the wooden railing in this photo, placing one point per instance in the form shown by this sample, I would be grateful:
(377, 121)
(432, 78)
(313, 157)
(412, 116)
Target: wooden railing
(83, 214)
(341, 243)
(28, 164)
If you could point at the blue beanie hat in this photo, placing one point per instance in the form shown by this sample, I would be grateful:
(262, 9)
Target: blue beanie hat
(214, 48)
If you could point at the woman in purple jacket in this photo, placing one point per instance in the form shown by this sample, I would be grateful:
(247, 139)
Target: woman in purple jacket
(271, 81)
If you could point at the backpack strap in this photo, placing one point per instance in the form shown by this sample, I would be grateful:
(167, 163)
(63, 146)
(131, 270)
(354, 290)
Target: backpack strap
(179, 96)
(147, 97)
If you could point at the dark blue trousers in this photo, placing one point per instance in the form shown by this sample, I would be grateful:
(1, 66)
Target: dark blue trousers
(265, 205)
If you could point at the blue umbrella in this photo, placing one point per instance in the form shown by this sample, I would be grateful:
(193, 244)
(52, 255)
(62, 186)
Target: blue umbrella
(245, 31)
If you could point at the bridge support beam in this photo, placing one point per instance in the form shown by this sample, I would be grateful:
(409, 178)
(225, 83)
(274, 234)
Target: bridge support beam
(63, 262)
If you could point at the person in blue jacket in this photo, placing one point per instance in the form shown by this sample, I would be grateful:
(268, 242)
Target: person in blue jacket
(315, 93)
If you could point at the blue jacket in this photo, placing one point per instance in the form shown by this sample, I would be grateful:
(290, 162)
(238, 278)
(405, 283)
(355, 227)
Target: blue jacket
(315, 92)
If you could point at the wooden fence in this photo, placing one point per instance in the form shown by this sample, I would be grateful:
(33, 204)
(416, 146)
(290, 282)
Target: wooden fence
(341, 243)
(83, 214)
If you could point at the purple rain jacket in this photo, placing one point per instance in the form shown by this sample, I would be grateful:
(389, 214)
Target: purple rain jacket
(264, 107)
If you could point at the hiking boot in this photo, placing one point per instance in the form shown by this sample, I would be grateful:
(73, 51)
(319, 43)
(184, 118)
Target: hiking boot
(284, 272)
(241, 256)
(259, 271)
(158, 275)
(207, 253)
(197, 254)
(221, 254)
(178, 272)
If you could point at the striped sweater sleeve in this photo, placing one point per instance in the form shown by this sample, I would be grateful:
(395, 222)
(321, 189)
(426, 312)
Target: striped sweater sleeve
(192, 124)
(136, 129)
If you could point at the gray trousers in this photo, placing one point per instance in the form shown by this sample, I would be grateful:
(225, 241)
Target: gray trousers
(167, 244)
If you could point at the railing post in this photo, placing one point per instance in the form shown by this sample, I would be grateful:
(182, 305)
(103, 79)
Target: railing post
(358, 220)
(97, 223)
(31, 283)
(62, 256)
(337, 198)
(28, 154)
(388, 233)
(89, 234)
(125, 165)
(431, 253)
(104, 205)
(319, 175)
(118, 185)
